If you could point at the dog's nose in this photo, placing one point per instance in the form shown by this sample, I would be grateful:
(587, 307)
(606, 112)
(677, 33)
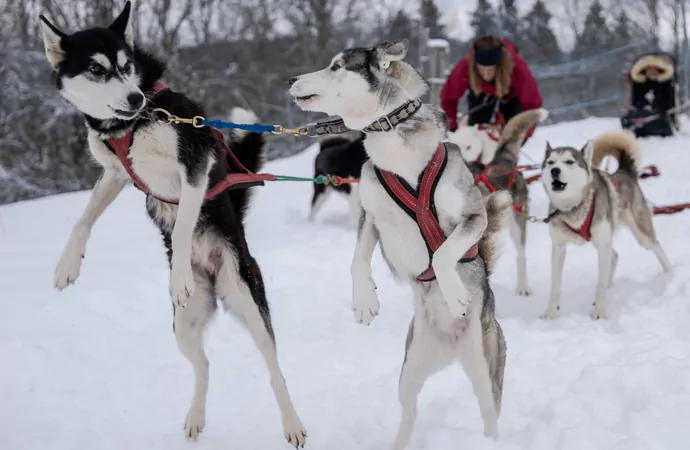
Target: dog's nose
(135, 100)
(292, 80)
(555, 172)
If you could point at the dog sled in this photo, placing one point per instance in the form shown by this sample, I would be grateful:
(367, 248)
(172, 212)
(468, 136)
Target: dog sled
(652, 96)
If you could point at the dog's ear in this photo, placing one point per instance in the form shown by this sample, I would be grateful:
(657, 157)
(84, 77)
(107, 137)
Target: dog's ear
(587, 153)
(549, 149)
(122, 25)
(387, 52)
(52, 41)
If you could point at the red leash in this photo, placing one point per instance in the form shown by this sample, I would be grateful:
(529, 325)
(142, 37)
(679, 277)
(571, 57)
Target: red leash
(670, 209)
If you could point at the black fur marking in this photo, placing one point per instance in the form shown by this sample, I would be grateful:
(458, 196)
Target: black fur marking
(251, 274)
(470, 221)
(361, 61)
(360, 224)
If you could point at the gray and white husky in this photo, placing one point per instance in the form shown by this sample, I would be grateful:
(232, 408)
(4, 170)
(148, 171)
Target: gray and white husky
(587, 204)
(102, 73)
(454, 313)
(501, 173)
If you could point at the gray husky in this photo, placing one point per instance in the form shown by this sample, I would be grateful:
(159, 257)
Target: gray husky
(375, 91)
(587, 204)
(116, 86)
(502, 173)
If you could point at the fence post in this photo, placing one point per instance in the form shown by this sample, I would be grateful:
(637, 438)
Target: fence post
(437, 67)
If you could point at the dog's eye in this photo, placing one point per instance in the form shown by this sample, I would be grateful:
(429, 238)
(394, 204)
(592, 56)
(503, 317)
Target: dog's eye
(549, 163)
(127, 67)
(570, 162)
(97, 69)
(335, 67)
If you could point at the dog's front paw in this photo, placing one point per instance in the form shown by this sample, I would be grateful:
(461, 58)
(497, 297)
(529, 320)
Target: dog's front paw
(365, 305)
(455, 293)
(67, 269)
(194, 423)
(550, 313)
(182, 283)
(295, 433)
(524, 291)
(597, 313)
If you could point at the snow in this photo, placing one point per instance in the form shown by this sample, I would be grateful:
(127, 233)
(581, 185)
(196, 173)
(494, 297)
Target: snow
(438, 43)
(97, 367)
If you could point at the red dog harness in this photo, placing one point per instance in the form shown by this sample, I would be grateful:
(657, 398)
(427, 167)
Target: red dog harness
(238, 176)
(493, 133)
(420, 206)
(585, 229)
(483, 178)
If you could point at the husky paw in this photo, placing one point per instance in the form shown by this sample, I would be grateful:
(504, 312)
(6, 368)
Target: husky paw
(194, 423)
(491, 431)
(295, 433)
(182, 283)
(365, 305)
(455, 293)
(549, 314)
(598, 313)
(67, 269)
(524, 291)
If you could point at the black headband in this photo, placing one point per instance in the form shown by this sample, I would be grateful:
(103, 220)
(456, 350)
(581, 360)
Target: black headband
(489, 56)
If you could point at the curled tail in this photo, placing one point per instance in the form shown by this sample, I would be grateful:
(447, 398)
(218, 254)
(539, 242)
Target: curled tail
(498, 204)
(620, 145)
(515, 130)
(250, 149)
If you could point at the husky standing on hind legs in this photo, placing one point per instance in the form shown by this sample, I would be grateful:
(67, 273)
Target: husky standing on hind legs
(588, 204)
(116, 86)
(421, 205)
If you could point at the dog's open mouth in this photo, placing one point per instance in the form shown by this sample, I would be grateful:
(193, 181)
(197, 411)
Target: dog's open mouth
(558, 185)
(127, 115)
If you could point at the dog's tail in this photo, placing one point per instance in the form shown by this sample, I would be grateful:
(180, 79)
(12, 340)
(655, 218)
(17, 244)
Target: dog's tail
(620, 145)
(333, 141)
(249, 148)
(498, 204)
(515, 130)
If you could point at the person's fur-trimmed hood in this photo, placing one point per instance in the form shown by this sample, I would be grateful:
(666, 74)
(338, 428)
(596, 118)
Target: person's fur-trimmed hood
(664, 64)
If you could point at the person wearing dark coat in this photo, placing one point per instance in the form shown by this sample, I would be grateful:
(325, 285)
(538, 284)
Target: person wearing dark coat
(651, 89)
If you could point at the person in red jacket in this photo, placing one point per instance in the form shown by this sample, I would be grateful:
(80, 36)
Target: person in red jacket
(497, 78)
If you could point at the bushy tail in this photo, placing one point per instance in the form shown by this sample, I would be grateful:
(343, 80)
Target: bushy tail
(333, 141)
(249, 148)
(498, 205)
(515, 130)
(620, 145)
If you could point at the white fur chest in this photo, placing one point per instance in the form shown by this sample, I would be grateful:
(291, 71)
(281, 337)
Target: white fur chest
(154, 159)
(400, 238)
(153, 155)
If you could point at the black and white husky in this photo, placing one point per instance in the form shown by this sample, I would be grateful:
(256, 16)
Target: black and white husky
(110, 81)
(588, 205)
(374, 89)
(341, 156)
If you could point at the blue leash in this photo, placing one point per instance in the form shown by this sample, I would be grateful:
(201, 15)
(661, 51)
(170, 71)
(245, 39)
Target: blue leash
(252, 128)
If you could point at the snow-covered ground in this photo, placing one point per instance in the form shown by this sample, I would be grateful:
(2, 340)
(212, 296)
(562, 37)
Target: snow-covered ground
(97, 367)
